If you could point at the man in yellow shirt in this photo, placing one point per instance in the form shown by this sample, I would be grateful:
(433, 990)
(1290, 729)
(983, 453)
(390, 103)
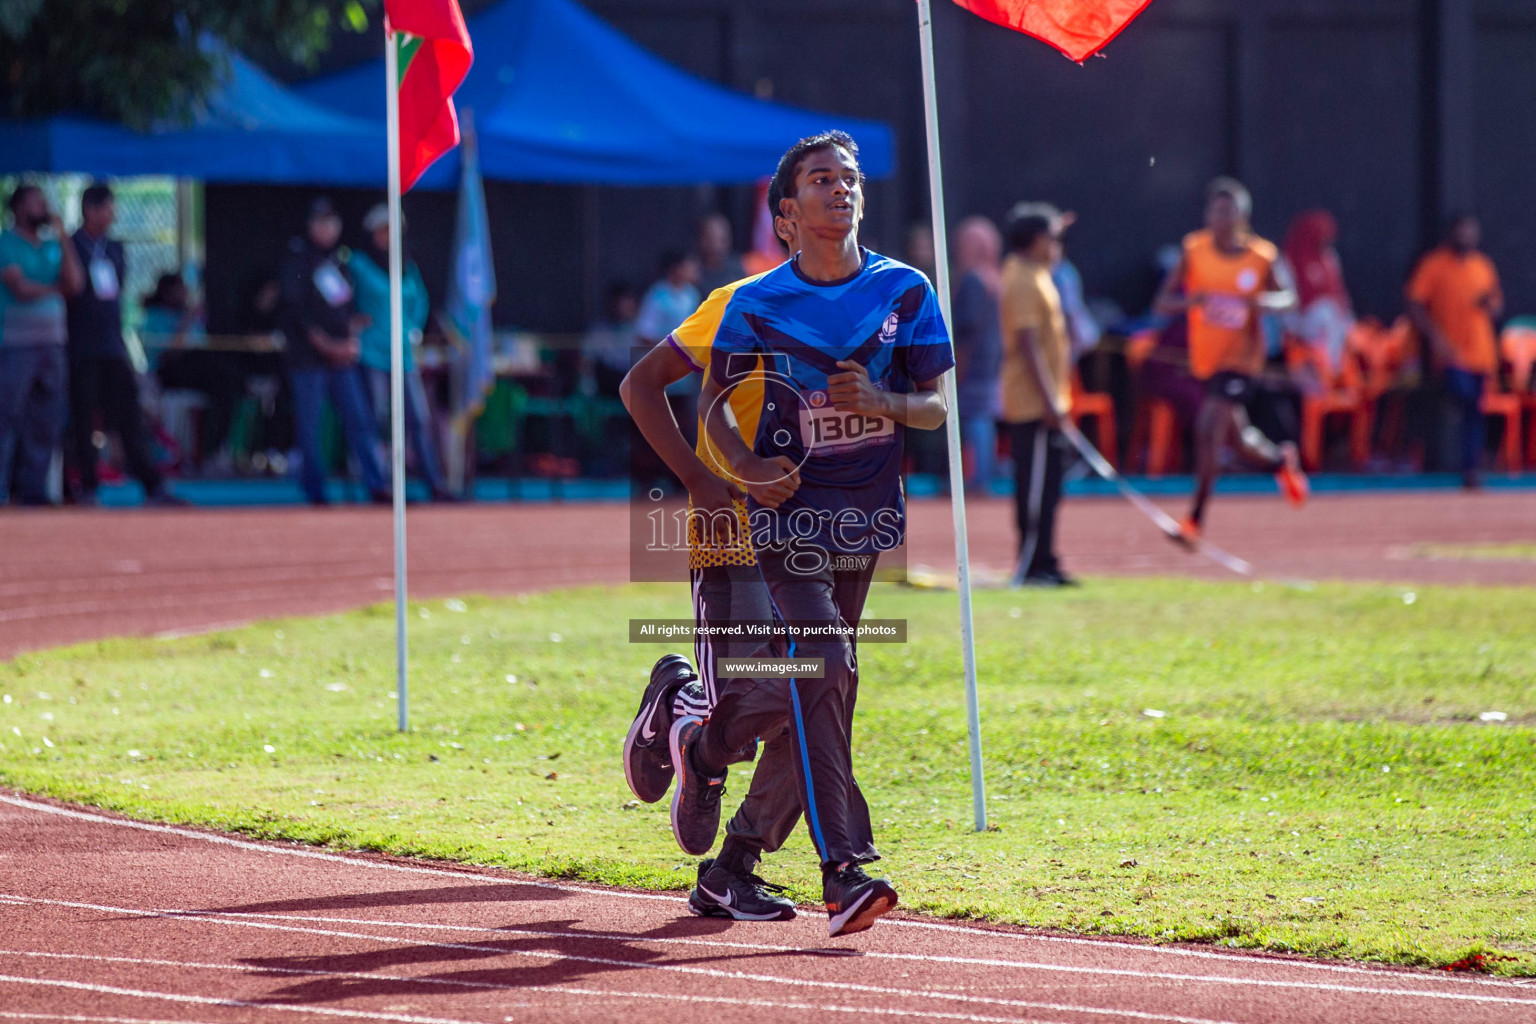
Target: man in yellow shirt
(1453, 299)
(727, 588)
(1227, 279)
(1037, 386)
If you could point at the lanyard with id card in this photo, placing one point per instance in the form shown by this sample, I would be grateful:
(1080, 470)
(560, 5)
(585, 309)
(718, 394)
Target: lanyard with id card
(104, 280)
(332, 284)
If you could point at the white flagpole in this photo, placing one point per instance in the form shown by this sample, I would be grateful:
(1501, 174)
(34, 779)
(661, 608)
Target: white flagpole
(952, 424)
(396, 363)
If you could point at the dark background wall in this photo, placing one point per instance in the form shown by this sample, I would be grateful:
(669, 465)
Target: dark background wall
(1390, 113)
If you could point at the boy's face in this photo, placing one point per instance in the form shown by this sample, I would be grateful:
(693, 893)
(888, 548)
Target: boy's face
(829, 197)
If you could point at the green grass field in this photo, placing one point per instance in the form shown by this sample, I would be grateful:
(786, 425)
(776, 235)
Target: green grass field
(1478, 552)
(1307, 771)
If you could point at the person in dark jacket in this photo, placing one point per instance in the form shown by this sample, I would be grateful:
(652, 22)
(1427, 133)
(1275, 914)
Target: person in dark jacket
(103, 386)
(319, 322)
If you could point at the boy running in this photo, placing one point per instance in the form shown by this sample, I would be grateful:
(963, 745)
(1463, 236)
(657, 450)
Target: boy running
(727, 588)
(1227, 279)
(848, 347)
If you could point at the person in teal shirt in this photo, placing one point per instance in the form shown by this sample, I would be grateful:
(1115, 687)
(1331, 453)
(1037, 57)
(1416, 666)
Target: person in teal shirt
(37, 273)
(370, 278)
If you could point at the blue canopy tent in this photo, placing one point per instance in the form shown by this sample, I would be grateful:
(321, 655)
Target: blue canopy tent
(560, 96)
(251, 129)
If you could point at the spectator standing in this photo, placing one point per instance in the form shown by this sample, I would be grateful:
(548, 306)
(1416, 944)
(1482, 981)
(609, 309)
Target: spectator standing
(37, 274)
(718, 263)
(317, 312)
(666, 305)
(370, 275)
(102, 379)
(609, 344)
(669, 301)
(978, 343)
(1036, 384)
(175, 342)
(1453, 299)
(1082, 328)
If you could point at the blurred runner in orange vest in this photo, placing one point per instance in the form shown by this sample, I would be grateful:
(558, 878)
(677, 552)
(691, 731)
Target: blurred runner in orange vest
(1226, 280)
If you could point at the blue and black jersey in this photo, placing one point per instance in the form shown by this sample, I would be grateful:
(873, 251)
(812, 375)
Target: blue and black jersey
(791, 332)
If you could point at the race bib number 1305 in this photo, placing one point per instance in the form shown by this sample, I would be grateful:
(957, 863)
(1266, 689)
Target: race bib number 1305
(828, 431)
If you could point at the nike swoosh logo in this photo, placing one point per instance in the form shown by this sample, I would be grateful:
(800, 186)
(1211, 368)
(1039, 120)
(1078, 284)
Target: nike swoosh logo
(724, 901)
(648, 730)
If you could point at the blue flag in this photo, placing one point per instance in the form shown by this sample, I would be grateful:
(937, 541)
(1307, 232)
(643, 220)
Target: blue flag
(471, 291)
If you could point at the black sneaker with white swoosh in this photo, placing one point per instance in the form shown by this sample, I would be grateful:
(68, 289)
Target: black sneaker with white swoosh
(722, 893)
(647, 754)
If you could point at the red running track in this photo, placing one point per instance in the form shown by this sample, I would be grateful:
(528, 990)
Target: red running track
(103, 919)
(73, 576)
(110, 920)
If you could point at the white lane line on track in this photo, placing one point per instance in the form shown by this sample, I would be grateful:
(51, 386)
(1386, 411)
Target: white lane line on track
(294, 851)
(177, 997)
(881, 1011)
(12, 1015)
(182, 915)
(828, 953)
(671, 968)
(551, 989)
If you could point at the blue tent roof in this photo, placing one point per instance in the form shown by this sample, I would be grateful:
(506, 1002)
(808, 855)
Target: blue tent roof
(558, 95)
(251, 129)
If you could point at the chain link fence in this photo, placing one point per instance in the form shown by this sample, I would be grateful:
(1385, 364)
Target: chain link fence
(158, 222)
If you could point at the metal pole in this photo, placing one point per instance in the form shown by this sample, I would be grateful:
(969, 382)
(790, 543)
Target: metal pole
(952, 424)
(396, 365)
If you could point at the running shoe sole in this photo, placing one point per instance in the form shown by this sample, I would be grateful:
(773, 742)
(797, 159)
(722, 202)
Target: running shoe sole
(680, 765)
(875, 901)
(655, 690)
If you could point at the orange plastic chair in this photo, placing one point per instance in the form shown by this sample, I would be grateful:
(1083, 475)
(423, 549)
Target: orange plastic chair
(1518, 347)
(1382, 352)
(1343, 394)
(1102, 408)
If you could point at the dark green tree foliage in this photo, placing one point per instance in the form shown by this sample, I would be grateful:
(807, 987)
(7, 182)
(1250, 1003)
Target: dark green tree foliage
(138, 61)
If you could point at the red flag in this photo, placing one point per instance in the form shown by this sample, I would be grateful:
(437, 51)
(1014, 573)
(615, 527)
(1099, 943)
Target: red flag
(1078, 28)
(435, 54)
